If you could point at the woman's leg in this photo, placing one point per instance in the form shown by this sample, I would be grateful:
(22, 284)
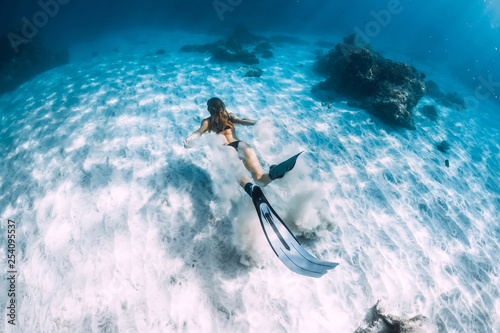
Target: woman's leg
(250, 161)
(244, 180)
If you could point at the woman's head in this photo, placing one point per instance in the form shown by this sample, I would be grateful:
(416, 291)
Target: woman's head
(219, 117)
(216, 107)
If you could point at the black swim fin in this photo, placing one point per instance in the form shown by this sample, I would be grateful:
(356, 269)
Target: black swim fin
(278, 171)
(283, 242)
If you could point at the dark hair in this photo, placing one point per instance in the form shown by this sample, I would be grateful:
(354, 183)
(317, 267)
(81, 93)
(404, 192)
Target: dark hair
(219, 119)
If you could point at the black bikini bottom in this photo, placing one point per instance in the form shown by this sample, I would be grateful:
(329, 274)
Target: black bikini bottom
(234, 144)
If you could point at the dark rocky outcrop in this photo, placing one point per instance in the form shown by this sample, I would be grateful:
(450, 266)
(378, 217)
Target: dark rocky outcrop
(229, 50)
(389, 90)
(443, 146)
(376, 321)
(450, 100)
(232, 51)
(267, 54)
(254, 72)
(31, 59)
(433, 89)
(453, 101)
(430, 112)
(264, 49)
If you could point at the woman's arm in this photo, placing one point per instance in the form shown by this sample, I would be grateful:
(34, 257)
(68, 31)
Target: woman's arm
(196, 134)
(242, 121)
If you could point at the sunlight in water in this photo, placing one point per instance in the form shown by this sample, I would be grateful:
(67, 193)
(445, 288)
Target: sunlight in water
(122, 229)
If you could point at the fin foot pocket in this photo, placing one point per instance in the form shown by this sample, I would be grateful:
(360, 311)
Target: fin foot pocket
(278, 171)
(249, 188)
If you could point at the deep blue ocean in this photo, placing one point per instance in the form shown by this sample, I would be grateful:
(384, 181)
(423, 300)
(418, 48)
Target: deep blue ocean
(110, 224)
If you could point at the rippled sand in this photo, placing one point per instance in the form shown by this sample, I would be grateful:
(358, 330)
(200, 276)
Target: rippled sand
(121, 228)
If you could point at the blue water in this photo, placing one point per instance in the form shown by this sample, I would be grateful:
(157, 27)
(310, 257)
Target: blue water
(120, 228)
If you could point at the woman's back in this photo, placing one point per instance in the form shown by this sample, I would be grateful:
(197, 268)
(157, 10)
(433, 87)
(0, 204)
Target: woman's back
(228, 131)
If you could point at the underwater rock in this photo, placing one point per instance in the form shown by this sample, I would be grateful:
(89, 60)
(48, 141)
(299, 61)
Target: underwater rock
(267, 54)
(31, 59)
(261, 47)
(264, 49)
(389, 90)
(229, 50)
(453, 101)
(447, 163)
(443, 146)
(376, 321)
(254, 72)
(450, 100)
(160, 52)
(433, 89)
(243, 56)
(430, 112)
(350, 40)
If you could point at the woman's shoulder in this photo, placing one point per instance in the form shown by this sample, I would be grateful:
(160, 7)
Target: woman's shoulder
(205, 122)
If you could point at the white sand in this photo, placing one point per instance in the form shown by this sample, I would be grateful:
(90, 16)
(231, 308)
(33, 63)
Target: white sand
(122, 229)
